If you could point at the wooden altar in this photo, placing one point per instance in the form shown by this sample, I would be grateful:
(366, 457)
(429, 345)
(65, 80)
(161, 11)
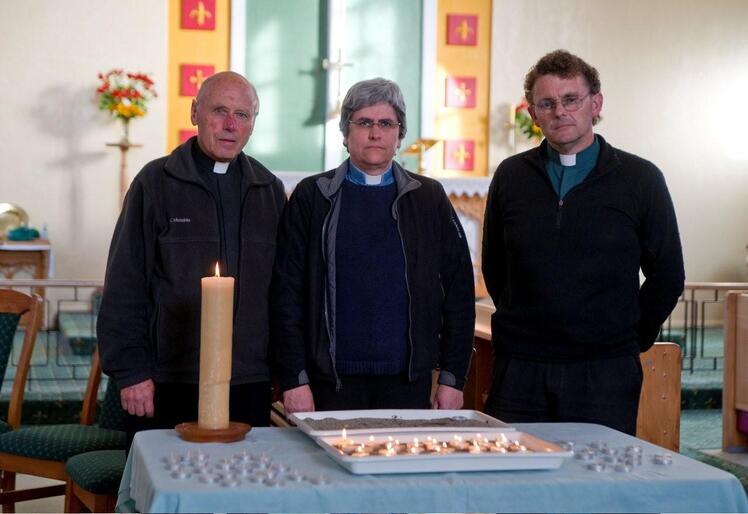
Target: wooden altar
(31, 257)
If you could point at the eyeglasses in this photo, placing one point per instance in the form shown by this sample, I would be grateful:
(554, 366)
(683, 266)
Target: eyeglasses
(570, 103)
(367, 123)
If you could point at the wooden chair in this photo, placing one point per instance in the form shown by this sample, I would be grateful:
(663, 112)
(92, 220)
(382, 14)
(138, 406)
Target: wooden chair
(480, 374)
(735, 389)
(15, 305)
(659, 403)
(93, 480)
(43, 450)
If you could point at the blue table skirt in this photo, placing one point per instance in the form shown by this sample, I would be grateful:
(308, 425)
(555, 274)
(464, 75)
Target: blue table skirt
(685, 486)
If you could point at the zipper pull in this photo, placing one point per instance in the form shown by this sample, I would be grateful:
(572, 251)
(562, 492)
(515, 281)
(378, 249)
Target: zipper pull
(560, 203)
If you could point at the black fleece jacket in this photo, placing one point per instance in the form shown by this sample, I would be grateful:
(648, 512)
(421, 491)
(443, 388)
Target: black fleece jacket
(167, 238)
(439, 279)
(564, 275)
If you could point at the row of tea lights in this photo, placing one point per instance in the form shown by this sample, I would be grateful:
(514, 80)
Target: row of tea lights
(391, 447)
(232, 471)
(599, 456)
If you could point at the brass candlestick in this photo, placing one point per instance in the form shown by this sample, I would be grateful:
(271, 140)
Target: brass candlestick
(124, 145)
(419, 148)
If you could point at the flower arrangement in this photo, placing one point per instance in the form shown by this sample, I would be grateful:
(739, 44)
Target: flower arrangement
(125, 95)
(523, 121)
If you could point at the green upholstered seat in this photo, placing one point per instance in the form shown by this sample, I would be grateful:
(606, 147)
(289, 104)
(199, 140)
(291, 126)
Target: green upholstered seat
(60, 442)
(4, 427)
(97, 472)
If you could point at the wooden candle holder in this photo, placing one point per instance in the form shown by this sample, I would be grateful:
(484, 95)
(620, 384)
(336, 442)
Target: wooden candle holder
(194, 433)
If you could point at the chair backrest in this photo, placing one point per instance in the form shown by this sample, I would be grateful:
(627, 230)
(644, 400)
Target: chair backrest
(734, 397)
(111, 415)
(659, 403)
(13, 306)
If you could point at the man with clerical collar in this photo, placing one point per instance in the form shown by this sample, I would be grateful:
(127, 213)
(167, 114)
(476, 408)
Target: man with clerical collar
(373, 284)
(207, 202)
(568, 227)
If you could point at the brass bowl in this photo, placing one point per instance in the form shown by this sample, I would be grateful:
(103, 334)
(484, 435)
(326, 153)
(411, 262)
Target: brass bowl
(11, 216)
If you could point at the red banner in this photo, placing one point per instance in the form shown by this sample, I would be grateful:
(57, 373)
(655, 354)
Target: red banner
(460, 92)
(459, 154)
(191, 77)
(199, 14)
(185, 134)
(462, 29)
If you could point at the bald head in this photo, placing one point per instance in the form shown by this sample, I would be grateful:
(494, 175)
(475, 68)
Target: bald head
(226, 77)
(224, 112)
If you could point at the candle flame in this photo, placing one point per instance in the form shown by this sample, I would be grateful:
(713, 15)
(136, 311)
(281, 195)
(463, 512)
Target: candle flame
(218, 272)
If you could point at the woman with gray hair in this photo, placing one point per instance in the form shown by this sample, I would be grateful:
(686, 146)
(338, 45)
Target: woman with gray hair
(373, 284)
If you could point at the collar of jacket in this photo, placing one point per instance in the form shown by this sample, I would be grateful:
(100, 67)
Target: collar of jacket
(331, 184)
(606, 162)
(181, 165)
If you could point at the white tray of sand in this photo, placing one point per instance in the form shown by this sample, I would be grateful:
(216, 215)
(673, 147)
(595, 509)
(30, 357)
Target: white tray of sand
(442, 452)
(367, 422)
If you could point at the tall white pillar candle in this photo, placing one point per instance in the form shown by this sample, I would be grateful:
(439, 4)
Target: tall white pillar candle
(216, 332)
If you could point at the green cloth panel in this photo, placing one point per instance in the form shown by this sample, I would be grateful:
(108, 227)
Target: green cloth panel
(60, 442)
(78, 329)
(111, 414)
(8, 326)
(97, 472)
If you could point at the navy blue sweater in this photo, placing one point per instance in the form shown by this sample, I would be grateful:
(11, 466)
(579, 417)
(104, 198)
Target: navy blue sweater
(371, 295)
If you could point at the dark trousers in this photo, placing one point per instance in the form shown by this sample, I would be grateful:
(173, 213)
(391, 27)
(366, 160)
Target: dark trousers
(604, 391)
(373, 392)
(177, 403)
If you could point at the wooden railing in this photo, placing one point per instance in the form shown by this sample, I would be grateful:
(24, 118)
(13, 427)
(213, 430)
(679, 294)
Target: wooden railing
(49, 354)
(688, 323)
(57, 294)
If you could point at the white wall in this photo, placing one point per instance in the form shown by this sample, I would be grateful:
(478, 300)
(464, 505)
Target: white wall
(52, 135)
(674, 73)
(675, 84)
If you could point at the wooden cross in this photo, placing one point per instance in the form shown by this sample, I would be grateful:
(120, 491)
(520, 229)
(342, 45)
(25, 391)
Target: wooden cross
(462, 92)
(198, 78)
(336, 67)
(464, 30)
(462, 155)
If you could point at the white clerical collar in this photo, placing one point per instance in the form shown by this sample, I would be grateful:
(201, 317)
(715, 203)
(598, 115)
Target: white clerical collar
(568, 160)
(221, 167)
(357, 176)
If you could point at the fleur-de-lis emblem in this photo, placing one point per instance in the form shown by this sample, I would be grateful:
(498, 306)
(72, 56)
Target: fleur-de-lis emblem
(200, 14)
(464, 30)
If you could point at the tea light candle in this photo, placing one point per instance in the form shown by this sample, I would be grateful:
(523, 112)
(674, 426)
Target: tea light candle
(361, 451)
(216, 335)
(496, 448)
(664, 459)
(318, 480)
(457, 443)
(445, 449)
